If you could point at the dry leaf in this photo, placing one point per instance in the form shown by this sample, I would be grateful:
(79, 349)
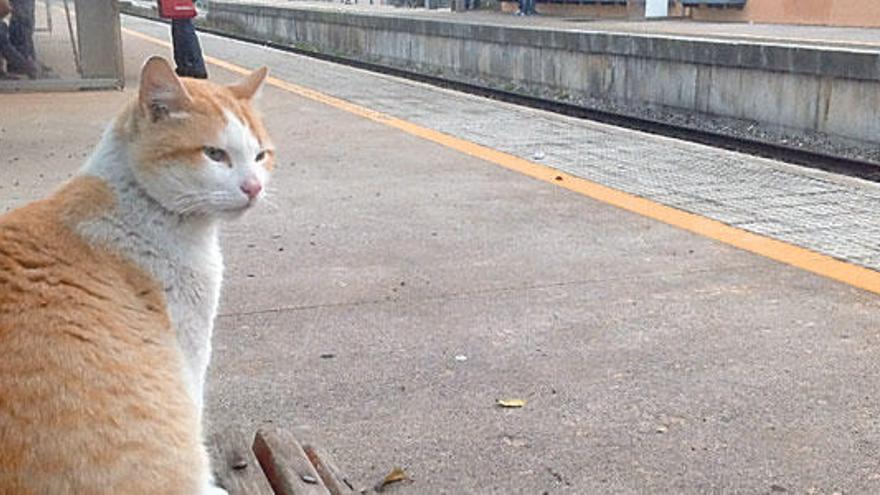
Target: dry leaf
(511, 403)
(396, 475)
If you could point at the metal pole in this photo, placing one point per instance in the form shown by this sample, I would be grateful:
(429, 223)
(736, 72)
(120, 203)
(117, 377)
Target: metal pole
(72, 39)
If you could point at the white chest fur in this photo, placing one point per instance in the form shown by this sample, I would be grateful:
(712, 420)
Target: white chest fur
(182, 254)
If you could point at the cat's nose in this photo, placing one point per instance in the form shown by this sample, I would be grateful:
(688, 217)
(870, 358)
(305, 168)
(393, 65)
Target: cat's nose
(251, 187)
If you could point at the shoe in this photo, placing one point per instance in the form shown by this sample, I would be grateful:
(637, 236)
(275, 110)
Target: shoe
(193, 73)
(33, 71)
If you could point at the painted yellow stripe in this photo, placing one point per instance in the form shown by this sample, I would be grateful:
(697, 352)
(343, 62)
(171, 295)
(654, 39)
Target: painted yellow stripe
(811, 261)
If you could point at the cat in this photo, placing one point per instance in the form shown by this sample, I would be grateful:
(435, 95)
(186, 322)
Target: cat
(108, 292)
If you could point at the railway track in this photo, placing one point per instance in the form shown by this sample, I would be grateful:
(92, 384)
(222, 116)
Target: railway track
(798, 156)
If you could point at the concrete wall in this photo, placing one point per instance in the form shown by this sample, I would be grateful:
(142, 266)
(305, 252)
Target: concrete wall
(853, 13)
(834, 91)
(634, 9)
(864, 13)
(596, 10)
(99, 39)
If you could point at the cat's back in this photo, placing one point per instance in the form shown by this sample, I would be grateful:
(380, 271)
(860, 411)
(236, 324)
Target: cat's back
(91, 394)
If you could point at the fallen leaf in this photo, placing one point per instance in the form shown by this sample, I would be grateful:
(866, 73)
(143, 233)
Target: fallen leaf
(395, 476)
(511, 403)
(514, 442)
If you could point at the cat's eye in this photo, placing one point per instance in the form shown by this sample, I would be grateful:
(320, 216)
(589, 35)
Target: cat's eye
(216, 154)
(260, 156)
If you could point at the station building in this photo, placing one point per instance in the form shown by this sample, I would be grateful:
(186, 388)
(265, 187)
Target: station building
(853, 13)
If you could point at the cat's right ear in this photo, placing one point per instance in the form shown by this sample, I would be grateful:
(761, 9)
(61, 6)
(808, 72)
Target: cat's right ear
(161, 92)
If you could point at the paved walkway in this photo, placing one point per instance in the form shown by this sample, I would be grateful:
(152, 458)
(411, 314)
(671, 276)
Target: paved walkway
(398, 285)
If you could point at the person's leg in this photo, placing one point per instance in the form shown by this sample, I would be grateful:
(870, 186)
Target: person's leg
(187, 51)
(21, 27)
(14, 58)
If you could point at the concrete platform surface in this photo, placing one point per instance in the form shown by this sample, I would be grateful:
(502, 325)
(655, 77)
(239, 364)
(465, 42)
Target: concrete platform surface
(393, 289)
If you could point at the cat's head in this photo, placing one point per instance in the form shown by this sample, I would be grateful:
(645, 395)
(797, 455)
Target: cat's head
(199, 148)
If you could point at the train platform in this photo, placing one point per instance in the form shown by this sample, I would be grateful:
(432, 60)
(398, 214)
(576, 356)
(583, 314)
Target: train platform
(679, 28)
(798, 35)
(676, 318)
(815, 81)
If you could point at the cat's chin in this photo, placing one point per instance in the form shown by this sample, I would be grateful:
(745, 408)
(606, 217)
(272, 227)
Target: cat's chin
(230, 214)
(227, 214)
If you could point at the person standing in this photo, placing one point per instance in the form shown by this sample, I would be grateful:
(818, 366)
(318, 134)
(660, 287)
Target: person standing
(526, 7)
(21, 30)
(187, 50)
(15, 60)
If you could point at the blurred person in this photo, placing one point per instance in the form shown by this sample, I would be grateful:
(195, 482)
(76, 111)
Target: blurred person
(21, 29)
(187, 51)
(15, 60)
(526, 7)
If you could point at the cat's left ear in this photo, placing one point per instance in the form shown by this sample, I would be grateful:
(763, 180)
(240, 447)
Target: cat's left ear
(161, 93)
(252, 85)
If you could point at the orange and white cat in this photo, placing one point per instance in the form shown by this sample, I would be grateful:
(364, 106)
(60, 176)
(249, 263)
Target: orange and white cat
(108, 292)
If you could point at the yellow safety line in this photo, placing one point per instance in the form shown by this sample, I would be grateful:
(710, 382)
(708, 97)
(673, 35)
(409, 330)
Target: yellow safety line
(790, 254)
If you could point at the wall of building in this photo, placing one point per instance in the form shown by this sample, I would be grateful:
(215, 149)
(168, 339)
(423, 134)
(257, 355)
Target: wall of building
(604, 11)
(863, 13)
(854, 13)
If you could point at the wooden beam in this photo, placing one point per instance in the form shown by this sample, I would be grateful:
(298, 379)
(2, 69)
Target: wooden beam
(286, 465)
(235, 467)
(332, 477)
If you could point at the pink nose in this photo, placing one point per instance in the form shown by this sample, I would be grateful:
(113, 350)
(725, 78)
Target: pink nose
(251, 187)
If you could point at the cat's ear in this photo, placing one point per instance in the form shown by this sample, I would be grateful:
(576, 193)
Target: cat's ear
(252, 85)
(161, 92)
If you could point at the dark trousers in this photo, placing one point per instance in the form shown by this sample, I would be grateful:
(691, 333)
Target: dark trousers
(187, 51)
(13, 57)
(527, 7)
(21, 29)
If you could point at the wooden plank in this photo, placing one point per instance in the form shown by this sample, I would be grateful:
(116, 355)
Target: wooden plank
(235, 466)
(286, 465)
(332, 477)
